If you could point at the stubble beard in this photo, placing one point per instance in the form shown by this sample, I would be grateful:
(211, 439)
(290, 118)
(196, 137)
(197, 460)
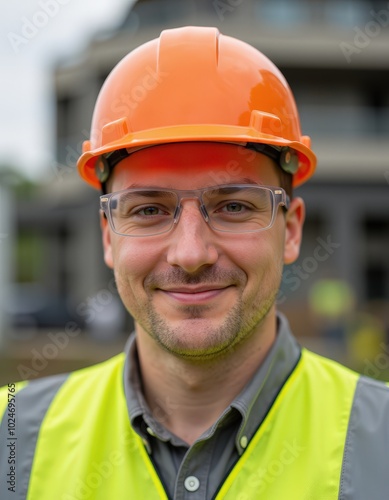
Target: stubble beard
(221, 341)
(217, 341)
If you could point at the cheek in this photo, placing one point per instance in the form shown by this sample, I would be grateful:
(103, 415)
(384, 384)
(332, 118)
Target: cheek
(132, 263)
(261, 257)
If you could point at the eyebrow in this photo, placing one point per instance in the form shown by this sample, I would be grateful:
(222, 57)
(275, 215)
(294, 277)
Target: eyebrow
(248, 180)
(229, 190)
(154, 193)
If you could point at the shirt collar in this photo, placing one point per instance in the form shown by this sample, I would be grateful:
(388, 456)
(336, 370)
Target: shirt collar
(258, 396)
(252, 404)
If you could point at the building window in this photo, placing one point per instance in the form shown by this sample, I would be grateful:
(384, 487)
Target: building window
(376, 229)
(346, 12)
(282, 12)
(287, 13)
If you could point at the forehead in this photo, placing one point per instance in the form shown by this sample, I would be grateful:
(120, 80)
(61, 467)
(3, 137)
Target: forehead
(194, 165)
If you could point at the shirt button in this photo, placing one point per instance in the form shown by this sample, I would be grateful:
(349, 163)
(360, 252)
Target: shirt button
(150, 431)
(192, 483)
(243, 441)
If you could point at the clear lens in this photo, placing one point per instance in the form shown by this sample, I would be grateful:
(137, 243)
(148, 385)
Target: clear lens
(140, 213)
(240, 209)
(235, 209)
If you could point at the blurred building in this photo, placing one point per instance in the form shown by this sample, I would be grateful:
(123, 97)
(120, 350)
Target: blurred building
(334, 53)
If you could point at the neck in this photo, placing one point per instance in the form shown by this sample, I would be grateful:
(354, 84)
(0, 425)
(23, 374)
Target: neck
(187, 397)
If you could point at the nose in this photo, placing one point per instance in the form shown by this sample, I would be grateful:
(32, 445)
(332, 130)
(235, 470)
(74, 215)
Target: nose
(192, 245)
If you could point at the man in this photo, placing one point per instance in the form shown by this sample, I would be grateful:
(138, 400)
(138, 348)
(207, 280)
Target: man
(196, 144)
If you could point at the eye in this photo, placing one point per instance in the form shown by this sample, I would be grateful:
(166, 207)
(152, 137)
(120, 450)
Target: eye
(150, 211)
(233, 207)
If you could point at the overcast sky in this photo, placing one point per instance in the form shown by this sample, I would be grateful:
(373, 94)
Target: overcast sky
(34, 34)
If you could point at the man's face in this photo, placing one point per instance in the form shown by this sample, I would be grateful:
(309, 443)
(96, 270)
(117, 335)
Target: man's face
(198, 292)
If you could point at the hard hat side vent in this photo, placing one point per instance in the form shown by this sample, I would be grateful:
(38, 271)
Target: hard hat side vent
(266, 123)
(115, 130)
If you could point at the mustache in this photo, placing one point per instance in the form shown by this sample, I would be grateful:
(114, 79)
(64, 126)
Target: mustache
(212, 275)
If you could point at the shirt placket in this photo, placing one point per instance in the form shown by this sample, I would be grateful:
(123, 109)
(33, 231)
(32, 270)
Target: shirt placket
(192, 477)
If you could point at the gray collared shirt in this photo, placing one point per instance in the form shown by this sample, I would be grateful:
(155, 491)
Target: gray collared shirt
(196, 472)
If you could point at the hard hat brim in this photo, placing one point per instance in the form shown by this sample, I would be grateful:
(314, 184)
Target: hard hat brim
(195, 133)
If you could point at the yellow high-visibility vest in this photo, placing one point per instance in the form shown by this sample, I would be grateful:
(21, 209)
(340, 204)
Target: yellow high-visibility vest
(87, 449)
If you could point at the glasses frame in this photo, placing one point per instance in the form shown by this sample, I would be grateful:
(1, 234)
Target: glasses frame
(280, 198)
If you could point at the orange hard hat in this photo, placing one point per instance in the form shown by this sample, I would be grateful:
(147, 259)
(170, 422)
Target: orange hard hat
(195, 84)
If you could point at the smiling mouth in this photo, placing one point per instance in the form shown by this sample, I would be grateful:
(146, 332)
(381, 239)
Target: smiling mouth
(194, 289)
(195, 295)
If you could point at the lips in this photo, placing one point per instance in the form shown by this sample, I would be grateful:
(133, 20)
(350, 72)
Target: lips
(194, 289)
(195, 294)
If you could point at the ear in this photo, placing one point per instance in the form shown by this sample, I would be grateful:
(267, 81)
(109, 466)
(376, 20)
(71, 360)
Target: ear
(294, 222)
(106, 237)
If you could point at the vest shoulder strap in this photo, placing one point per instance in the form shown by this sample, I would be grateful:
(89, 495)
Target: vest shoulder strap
(366, 456)
(19, 434)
